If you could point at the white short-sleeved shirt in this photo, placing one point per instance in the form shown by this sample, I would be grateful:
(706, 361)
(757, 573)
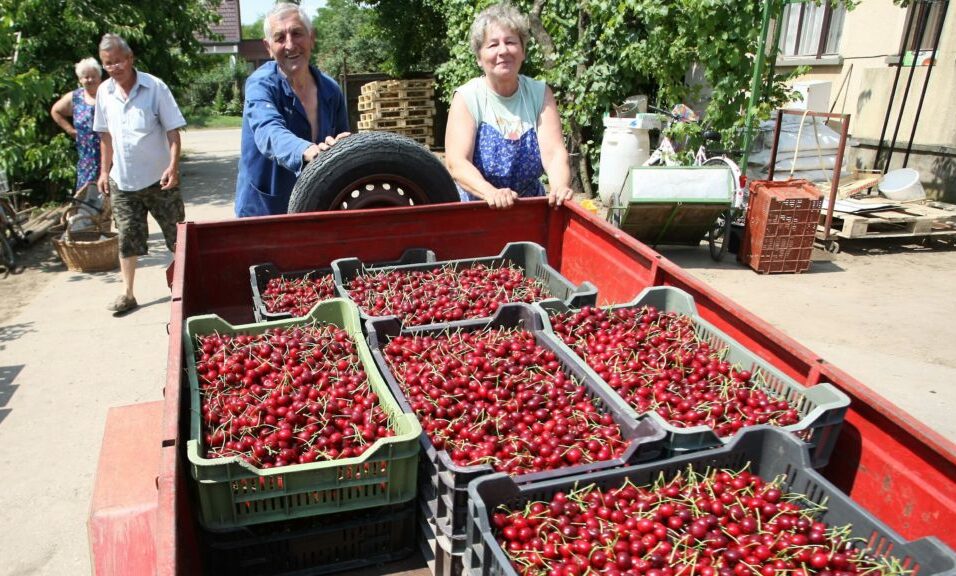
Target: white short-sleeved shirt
(511, 115)
(137, 127)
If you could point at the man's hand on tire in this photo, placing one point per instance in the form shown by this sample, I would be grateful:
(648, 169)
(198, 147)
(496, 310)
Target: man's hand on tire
(312, 151)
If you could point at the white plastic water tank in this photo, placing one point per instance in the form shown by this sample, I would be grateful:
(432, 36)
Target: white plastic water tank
(625, 144)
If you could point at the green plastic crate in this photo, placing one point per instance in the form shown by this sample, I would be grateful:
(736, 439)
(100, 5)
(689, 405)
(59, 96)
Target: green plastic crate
(821, 407)
(233, 493)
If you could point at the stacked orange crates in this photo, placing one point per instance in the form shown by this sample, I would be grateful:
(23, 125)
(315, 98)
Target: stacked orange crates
(782, 220)
(404, 107)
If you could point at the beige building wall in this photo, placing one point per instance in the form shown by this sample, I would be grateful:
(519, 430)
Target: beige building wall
(861, 84)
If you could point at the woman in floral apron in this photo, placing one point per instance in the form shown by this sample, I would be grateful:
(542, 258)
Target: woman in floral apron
(78, 105)
(503, 129)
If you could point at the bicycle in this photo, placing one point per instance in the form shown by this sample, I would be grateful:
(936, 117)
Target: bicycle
(718, 235)
(12, 234)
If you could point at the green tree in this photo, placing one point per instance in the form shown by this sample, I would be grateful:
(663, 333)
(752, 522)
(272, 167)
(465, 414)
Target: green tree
(253, 31)
(41, 40)
(413, 33)
(347, 39)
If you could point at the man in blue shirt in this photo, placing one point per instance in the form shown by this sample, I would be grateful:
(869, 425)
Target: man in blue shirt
(292, 113)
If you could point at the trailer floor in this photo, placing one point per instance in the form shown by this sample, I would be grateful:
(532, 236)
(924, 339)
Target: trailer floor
(886, 318)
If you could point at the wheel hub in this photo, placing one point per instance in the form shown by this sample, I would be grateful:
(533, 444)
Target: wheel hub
(379, 191)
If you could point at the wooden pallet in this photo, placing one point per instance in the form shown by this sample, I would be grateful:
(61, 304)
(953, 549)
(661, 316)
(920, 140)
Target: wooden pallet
(391, 113)
(420, 94)
(387, 85)
(393, 104)
(904, 220)
(389, 123)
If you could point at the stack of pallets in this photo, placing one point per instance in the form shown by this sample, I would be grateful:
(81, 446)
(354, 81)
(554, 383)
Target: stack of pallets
(405, 107)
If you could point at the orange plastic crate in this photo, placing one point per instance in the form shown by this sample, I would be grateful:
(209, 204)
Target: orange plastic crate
(782, 220)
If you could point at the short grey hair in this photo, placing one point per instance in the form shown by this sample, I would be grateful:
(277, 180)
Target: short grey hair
(87, 64)
(112, 42)
(504, 15)
(280, 10)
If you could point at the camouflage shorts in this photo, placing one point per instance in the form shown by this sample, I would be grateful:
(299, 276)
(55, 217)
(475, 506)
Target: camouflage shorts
(129, 214)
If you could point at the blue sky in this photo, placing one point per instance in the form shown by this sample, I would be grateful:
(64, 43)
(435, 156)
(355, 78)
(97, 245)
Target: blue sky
(250, 10)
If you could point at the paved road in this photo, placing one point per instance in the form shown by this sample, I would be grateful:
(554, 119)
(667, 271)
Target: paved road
(64, 360)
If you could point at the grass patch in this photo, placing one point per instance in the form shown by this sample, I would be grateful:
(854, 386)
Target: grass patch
(213, 121)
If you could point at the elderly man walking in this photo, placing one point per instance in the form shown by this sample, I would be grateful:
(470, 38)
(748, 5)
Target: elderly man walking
(138, 121)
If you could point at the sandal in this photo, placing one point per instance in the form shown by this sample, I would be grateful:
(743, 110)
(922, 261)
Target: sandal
(123, 304)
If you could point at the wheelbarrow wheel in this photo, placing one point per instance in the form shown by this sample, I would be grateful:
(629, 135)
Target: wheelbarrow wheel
(718, 237)
(372, 170)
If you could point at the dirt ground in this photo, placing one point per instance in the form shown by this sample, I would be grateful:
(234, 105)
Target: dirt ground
(883, 312)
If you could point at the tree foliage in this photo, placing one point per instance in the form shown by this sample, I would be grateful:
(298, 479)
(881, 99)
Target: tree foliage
(347, 39)
(41, 40)
(413, 33)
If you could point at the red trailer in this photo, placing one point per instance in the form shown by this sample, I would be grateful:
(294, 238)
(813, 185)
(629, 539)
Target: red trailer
(885, 459)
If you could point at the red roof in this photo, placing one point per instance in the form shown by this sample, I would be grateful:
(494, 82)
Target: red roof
(229, 27)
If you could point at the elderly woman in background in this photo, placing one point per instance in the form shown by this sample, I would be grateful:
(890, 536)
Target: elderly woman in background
(504, 130)
(78, 105)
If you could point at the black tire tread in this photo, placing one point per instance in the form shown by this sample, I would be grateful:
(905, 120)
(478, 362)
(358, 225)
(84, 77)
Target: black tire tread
(375, 152)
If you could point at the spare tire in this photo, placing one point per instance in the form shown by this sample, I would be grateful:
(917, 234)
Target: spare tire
(372, 170)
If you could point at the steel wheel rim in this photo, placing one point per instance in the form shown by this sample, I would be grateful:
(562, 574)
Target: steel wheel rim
(379, 191)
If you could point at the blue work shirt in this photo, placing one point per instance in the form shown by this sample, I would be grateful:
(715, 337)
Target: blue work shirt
(275, 133)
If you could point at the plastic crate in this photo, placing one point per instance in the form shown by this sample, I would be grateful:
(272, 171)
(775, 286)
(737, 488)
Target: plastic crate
(770, 451)
(260, 274)
(822, 407)
(233, 493)
(317, 545)
(782, 220)
(444, 484)
(528, 256)
(439, 558)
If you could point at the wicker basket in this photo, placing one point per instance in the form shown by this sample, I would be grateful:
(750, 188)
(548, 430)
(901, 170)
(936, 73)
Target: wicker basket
(89, 251)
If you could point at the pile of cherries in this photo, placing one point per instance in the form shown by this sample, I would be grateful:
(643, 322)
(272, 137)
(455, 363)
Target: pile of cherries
(443, 294)
(297, 295)
(721, 523)
(494, 396)
(656, 362)
(287, 396)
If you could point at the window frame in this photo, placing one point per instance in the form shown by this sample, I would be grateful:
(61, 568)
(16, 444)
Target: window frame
(820, 53)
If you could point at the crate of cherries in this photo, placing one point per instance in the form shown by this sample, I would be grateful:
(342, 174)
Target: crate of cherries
(497, 395)
(752, 507)
(671, 365)
(278, 295)
(452, 290)
(291, 419)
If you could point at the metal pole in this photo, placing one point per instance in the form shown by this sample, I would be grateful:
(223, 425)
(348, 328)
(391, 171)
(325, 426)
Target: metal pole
(773, 147)
(906, 93)
(929, 72)
(761, 58)
(896, 81)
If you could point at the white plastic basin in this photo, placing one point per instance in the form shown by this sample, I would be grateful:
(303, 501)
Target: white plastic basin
(902, 184)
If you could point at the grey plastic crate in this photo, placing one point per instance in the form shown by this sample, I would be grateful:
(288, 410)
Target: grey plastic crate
(822, 407)
(444, 483)
(260, 274)
(770, 452)
(233, 493)
(439, 558)
(317, 545)
(528, 256)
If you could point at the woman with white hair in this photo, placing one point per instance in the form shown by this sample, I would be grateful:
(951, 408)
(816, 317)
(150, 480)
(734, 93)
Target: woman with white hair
(78, 106)
(503, 129)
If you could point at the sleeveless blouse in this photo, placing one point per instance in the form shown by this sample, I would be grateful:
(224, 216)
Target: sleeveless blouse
(87, 141)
